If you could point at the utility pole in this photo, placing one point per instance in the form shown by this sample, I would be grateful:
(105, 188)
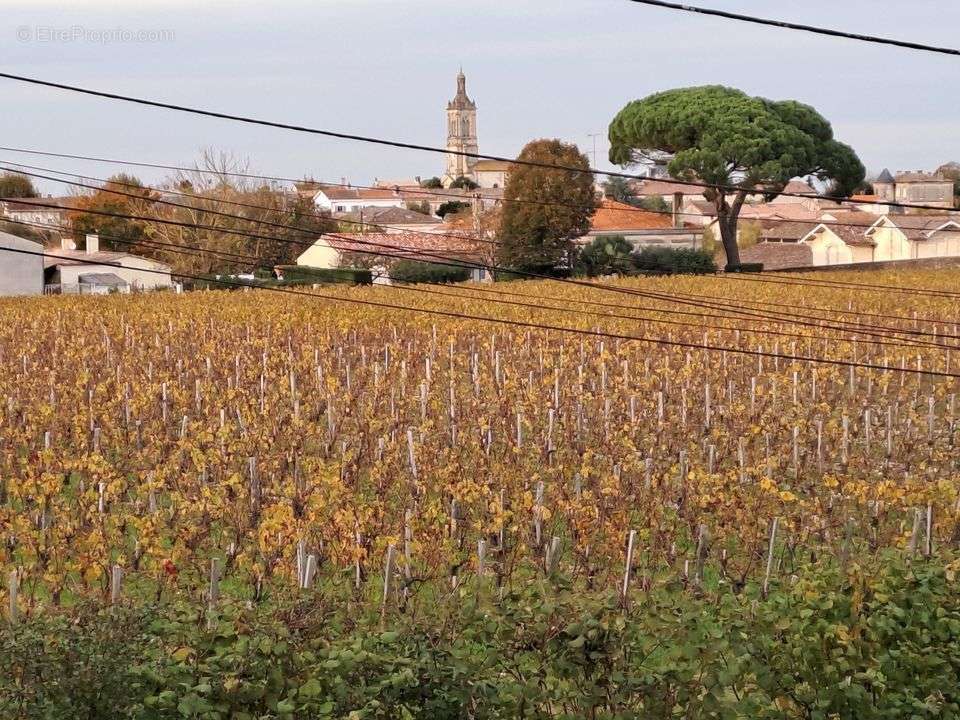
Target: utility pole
(594, 137)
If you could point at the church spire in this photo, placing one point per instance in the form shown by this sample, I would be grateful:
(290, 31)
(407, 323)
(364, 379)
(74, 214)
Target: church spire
(461, 101)
(461, 132)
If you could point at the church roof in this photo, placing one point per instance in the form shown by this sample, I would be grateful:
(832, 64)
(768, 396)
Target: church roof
(461, 101)
(492, 166)
(885, 177)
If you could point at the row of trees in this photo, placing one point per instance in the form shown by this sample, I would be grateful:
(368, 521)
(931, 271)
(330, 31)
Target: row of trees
(194, 233)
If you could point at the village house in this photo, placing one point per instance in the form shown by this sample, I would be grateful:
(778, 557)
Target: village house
(379, 250)
(69, 271)
(28, 211)
(844, 238)
(344, 199)
(21, 266)
(641, 228)
(918, 188)
(389, 220)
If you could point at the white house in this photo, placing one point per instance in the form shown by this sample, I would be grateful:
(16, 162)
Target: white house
(90, 271)
(332, 198)
(21, 266)
(856, 237)
(29, 211)
(379, 250)
(491, 173)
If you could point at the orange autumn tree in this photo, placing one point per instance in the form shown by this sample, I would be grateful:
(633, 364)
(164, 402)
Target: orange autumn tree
(122, 194)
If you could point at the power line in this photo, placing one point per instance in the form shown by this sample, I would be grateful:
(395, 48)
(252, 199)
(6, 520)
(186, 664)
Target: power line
(445, 260)
(380, 141)
(531, 325)
(862, 328)
(439, 193)
(736, 276)
(909, 45)
(258, 262)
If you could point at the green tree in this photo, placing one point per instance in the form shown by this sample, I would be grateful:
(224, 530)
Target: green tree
(451, 206)
(725, 138)
(421, 207)
(538, 234)
(14, 185)
(654, 203)
(464, 183)
(619, 189)
(433, 183)
(606, 255)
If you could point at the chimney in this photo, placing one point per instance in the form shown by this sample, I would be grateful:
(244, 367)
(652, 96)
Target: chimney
(67, 243)
(93, 243)
(677, 205)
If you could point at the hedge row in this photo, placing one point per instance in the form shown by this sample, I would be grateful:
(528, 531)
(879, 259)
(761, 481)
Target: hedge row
(875, 643)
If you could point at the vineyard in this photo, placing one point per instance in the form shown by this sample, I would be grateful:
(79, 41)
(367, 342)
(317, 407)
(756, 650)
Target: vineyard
(282, 460)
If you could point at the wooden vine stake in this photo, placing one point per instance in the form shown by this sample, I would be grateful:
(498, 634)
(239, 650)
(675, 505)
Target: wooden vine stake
(116, 582)
(553, 555)
(481, 557)
(770, 548)
(631, 538)
(703, 543)
(13, 588)
(387, 575)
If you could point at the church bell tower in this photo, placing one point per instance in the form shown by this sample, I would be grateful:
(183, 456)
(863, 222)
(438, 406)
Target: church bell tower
(461, 133)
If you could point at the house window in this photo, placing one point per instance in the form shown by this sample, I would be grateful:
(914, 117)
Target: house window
(341, 208)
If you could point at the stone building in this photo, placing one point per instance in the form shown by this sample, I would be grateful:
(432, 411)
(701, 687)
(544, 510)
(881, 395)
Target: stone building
(917, 188)
(461, 134)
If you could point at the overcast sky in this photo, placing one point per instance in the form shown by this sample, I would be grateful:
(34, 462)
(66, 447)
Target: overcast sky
(536, 68)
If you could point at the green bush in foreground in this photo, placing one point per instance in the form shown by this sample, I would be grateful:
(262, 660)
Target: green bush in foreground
(674, 261)
(879, 643)
(414, 271)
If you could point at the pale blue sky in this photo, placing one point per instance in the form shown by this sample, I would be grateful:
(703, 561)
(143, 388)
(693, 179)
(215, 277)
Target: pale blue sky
(536, 68)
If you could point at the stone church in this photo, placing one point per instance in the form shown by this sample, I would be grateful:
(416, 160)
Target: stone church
(462, 138)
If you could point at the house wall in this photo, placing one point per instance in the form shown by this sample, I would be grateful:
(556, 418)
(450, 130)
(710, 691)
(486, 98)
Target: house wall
(890, 244)
(324, 203)
(939, 194)
(20, 274)
(490, 178)
(320, 255)
(827, 248)
(136, 272)
(940, 244)
(861, 253)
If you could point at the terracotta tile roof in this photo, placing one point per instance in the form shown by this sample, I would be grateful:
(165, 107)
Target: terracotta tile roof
(643, 188)
(790, 230)
(387, 216)
(800, 187)
(920, 227)
(776, 255)
(613, 215)
(347, 193)
(784, 211)
(865, 198)
(405, 245)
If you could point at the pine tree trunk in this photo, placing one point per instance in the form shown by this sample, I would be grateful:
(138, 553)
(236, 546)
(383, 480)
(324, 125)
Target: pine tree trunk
(728, 234)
